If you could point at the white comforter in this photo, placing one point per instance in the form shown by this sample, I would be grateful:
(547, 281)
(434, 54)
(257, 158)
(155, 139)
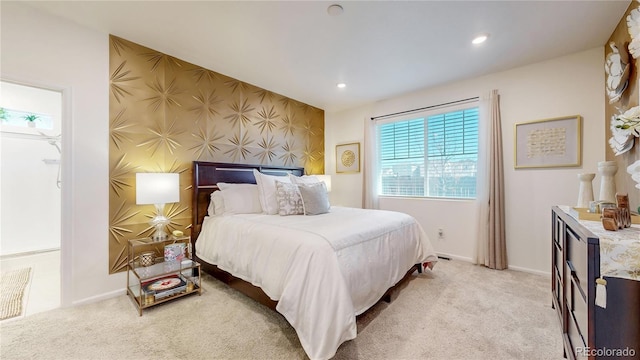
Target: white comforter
(323, 270)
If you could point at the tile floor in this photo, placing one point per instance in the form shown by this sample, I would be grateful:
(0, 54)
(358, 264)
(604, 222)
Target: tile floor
(43, 290)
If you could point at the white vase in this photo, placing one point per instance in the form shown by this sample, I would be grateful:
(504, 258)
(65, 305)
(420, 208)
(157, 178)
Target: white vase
(585, 194)
(607, 170)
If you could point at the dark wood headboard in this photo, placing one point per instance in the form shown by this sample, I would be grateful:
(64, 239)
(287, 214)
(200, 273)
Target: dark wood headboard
(206, 176)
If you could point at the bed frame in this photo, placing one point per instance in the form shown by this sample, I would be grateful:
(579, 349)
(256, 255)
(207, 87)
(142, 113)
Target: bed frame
(206, 176)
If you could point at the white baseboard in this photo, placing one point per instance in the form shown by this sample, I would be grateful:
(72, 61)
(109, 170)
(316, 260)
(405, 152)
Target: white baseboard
(515, 268)
(530, 271)
(455, 257)
(100, 297)
(28, 253)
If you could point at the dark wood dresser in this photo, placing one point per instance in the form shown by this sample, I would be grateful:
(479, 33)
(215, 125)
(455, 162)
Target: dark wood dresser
(590, 331)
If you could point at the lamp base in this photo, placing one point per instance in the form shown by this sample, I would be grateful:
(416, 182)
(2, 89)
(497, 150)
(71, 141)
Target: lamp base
(159, 222)
(159, 234)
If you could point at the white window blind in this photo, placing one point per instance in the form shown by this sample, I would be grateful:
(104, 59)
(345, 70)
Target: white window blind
(434, 155)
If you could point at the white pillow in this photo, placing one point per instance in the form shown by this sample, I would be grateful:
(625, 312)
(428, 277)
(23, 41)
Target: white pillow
(211, 210)
(304, 180)
(240, 198)
(267, 191)
(218, 202)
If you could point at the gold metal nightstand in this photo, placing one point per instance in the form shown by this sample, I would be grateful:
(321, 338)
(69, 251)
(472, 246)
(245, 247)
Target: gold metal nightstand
(160, 271)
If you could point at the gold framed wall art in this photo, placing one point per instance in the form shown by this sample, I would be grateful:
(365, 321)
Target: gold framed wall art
(548, 143)
(348, 158)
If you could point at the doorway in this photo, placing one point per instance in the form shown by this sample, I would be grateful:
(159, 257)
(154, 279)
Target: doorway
(31, 190)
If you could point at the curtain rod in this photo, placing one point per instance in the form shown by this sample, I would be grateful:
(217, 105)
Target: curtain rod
(425, 108)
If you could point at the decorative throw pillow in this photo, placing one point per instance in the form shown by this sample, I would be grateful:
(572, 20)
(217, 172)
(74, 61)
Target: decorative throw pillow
(240, 198)
(267, 190)
(315, 199)
(289, 201)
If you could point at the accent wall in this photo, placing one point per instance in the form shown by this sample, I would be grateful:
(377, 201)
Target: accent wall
(165, 113)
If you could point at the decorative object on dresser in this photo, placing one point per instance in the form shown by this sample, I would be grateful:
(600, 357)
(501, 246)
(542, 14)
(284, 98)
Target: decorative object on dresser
(596, 214)
(607, 170)
(595, 292)
(158, 189)
(585, 194)
(617, 216)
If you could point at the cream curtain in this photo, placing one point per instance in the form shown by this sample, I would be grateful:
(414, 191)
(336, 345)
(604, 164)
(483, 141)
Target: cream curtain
(370, 166)
(492, 248)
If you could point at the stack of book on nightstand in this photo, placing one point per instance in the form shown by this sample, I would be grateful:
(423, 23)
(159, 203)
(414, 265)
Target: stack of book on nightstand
(166, 286)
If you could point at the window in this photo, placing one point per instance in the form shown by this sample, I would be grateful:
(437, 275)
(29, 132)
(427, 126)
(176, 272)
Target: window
(433, 156)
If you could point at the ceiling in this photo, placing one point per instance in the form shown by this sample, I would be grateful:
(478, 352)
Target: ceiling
(380, 49)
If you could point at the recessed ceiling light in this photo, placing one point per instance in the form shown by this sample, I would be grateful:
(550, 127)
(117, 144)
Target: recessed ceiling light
(341, 85)
(335, 10)
(480, 39)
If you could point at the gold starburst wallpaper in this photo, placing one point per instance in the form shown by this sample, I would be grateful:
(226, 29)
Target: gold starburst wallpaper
(165, 113)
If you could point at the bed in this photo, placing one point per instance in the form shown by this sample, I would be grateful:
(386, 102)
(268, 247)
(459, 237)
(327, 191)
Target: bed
(320, 271)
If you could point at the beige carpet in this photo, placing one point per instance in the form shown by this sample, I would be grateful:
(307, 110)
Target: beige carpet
(12, 285)
(458, 311)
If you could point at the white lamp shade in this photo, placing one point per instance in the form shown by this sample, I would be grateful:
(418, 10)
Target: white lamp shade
(326, 179)
(157, 188)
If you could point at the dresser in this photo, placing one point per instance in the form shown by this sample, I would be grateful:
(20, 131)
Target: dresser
(588, 330)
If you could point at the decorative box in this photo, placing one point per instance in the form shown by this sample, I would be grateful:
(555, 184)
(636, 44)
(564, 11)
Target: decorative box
(174, 252)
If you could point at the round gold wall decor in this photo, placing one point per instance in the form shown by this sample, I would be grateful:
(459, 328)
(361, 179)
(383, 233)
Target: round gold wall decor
(348, 158)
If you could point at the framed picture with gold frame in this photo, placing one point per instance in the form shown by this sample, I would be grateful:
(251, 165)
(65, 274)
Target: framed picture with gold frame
(548, 143)
(348, 158)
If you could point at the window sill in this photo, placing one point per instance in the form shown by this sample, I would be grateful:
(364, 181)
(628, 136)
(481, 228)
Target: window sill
(426, 198)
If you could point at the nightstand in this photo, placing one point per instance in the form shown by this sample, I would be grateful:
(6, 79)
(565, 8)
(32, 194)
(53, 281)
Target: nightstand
(161, 271)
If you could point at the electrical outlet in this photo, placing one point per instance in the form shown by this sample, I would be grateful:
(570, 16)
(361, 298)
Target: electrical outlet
(440, 234)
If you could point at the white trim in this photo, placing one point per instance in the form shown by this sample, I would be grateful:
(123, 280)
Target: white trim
(510, 267)
(436, 110)
(66, 214)
(530, 271)
(101, 297)
(28, 253)
(454, 257)
(66, 158)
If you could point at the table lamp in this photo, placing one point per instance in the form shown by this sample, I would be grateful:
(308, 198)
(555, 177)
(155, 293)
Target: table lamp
(157, 189)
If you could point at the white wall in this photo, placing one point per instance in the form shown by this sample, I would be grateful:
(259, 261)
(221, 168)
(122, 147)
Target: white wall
(28, 186)
(29, 195)
(44, 50)
(564, 86)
